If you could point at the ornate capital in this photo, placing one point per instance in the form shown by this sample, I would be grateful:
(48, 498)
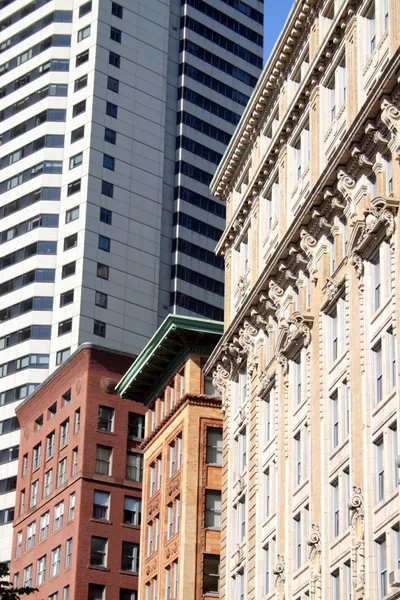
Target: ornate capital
(390, 116)
(220, 379)
(346, 185)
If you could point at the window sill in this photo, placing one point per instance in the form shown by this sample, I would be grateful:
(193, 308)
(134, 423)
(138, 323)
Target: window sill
(97, 568)
(394, 494)
(337, 362)
(131, 526)
(378, 407)
(340, 537)
(49, 458)
(381, 309)
(103, 521)
(337, 449)
(122, 572)
(300, 570)
(105, 432)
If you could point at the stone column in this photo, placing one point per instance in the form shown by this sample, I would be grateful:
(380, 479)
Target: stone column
(352, 70)
(315, 134)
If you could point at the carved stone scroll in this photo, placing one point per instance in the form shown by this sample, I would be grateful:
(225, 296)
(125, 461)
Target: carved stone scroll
(390, 116)
(314, 540)
(356, 505)
(279, 571)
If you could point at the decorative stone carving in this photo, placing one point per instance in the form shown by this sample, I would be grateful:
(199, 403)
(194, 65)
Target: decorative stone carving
(308, 244)
(320, 220)
(279, 571)
(358, 264)
(174, 485)
(314, 540)
(356, 505)
(332, 288)
(283, 362)
(171, 549)
(275, 292)
(390, 116)
(295, 333)
(220, 379)
(346, 185)
(108, 385)
(78, 387)
(153, 507)
(151, 567)
(238, 556)
(265, 382)
(243, 285)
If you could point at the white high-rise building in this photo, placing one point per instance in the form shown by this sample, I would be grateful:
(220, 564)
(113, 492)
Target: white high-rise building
(113, 117)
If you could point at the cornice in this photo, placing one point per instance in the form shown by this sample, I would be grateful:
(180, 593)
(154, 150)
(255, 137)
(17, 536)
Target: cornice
(321, 190)
(276, 69)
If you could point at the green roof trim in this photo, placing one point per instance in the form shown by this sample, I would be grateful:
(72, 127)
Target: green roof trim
(175, 335)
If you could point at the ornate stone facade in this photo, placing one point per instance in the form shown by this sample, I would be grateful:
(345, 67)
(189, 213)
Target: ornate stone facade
(307, 367)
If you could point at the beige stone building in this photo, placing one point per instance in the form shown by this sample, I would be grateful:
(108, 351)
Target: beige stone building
(308, 364)
(182, 458)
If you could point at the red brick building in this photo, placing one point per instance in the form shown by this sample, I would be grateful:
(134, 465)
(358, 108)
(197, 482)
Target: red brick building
(78, 513)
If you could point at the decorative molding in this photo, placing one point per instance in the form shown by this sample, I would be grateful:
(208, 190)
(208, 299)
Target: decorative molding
(390, 115)
(174, 485)
(356, 505)
(265, 382)
(151, 567)
(153, 506)
(314, 540)
(346, 186)
(295, 334)
(279, 571)
(171, 549)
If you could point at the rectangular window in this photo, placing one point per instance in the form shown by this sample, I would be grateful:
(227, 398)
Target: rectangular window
(335, 580)
(335, 419)
(113, 84)
(112, 111)
(68, 553)
(41, 570)
(130, 557)
(70, 242)
(117, 10)
(64, 433)
(71, 507)
(80, 83)
(380, 469)
(105, 216)
(101, 299)
(105, 420)
(335, 508)
(58, 516)
(115, 35)
(104, 243)
(392, 359)
(134, 466)
(242, 519)
(107, 189)
(83, 33)
(267, 492)
(44, 526)
(103, 460)
(96, 592)
(98, 552)
(378, 375)
(55, 559)
(77, 134)
(101, 505)
(114, 59)
(211, 574)
(82, 58)
(77, 424)
(376, 281)
(27, 576)
(65, 327)
(214, 446)
(99, 328)
(67, 271)
(213, 509)
(132, 510)
(381, 567)
(135, 426)
(66, 298)
(110, 136)
(108, 162)
(297, 364)
(30, 535)
(74, 462)
(298, 540)
(84, 9)
(79, 108)
(34, 493)
(37, 451)
(371, 30)
(334, 335)
(47, 483)
(103, 271)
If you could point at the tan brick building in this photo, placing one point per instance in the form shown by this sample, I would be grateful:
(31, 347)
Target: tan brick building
(308, 364)
(78, 513)
(180, 540)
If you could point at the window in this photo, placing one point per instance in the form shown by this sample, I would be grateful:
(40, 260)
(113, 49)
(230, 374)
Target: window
(68, 553)
(211, 574)
(66, 593)
(101, 505)
(103, 460)
(74, 462)
(113, 84)
(125, 594)
(82, 58)
(22, 503)
(58, 516)
(241, 519)
(170, 520)
(177, 513)
(136, 426)
(213, 509)
(24, 465)
(98, 552)
(381, 567)
(41, 570)
(380, 469)
(116, 10)
(105, 420)
(62, 355)
(134, 466)
(77, 134)
(67, 271)
(172, 459)
(149, 538)
(130, 557)
(55, 559)
(71, 507)
(335, 508)
(388, 174)
(132, 510)
(64, 433)
(65, 327)
(27, 576)
(104, 243)
(79, 108)
(335, 419)
(101, 299)
(392, 358)
(214, 446)
(80, 83)
(99, 328)
(75, 160)
(66, 298)
(115, 35)
(110, 135)
(114, 60)
(83, 33)
(335, 580)
(378, 375)
(84, 9)
(70, 242)
(37, 450)
(242, 450)
(107, 189)
(34, 493)
(30, 535)
(96, 592)
(18, 544)
(105, 216)
(108, 162)
(102, 271)
(77, 423)
(47, 483)
(111, 111)
(39, 423)
(371, 30)
(44, 526)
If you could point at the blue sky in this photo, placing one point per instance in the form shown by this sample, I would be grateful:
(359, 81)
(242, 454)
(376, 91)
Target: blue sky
(275, 13)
